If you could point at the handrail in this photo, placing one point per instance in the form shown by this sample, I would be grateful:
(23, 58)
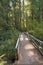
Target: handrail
(36, 39)
(40, 42)
(17, 44)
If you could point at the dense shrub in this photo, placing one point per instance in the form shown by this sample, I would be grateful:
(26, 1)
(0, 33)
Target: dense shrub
(36, 29)
(8, 41)
(13, 54)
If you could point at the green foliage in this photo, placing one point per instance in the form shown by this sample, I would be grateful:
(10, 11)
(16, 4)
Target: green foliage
(36, 29)
(8, 41)
(13, 55)
(16, 16)
(8, 32)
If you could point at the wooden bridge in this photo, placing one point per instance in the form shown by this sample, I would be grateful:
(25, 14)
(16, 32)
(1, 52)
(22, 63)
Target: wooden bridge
(28, 54)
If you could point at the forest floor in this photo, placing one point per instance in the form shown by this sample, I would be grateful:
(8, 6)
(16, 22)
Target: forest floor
(28, 54)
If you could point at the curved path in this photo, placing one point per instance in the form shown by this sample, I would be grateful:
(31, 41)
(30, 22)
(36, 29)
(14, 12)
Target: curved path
(28, 54)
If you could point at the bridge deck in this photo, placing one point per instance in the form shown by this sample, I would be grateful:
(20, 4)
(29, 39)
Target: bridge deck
(28, 54)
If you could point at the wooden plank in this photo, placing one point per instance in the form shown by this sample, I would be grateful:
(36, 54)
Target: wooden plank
(34, 39)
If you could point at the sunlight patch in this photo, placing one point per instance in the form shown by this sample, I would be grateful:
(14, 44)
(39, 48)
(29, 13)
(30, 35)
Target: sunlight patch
(26, 38)
(21, 37)
(29, 47)
(30, 53)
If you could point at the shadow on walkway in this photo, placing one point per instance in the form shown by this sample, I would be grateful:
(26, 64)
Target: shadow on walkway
(28, 54)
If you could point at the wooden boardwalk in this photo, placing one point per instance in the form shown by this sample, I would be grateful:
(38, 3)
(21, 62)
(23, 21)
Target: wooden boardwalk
(28, 54)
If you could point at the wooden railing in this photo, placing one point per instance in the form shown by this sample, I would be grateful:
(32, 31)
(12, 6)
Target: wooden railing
(17, 46)
(37, 43)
